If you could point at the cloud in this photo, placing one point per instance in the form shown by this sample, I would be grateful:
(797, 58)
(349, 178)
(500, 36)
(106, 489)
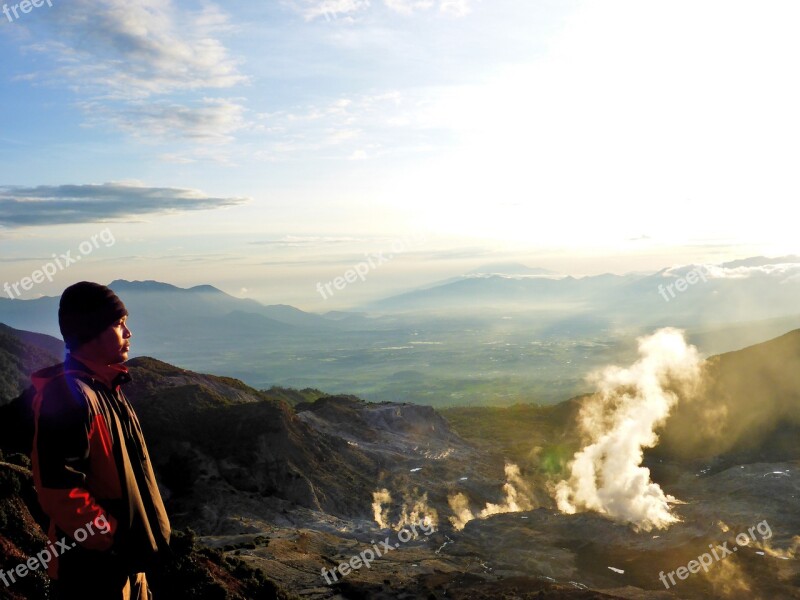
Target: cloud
(784, 268)
(219, 153)
(295, 241)
(22, 259)
(457, 8)
(407, 7)
(324, 251)
(330, 9)
(210, 121)
(361, 127)
(123, 50)
(333, 9)
(123, 59)
(67, 204)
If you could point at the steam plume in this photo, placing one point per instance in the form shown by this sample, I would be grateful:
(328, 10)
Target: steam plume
(459, 504)
(379, 498)
(790, 553)
(413, 510)
(519, 497)
(618, 422)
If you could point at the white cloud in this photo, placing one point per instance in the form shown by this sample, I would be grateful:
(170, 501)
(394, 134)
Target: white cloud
(784, 271)
(330, 9)
(212, 120)
(129, 61)
(457, 8)
(124, 50)
(408, 7)
(358, 127)
(118, 201)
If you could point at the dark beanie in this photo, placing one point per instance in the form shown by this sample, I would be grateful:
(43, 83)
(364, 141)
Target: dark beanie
(86, 310)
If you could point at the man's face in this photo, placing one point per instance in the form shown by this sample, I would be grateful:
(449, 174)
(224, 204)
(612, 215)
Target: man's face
(112, 346)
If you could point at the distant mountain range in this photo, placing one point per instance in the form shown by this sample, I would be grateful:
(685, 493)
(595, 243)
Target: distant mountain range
(500, 334)
(512, 269)
(744, 290)
(159, 304)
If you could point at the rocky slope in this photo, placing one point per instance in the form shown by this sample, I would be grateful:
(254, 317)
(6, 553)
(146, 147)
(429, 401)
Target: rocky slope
(288, 489)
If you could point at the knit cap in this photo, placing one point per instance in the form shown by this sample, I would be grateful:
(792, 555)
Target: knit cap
(86, 310)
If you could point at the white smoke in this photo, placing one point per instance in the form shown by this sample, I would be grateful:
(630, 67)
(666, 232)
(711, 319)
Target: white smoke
(414, 510)
(518, 497)
(381, 513)
(459, 504)
(619, 421)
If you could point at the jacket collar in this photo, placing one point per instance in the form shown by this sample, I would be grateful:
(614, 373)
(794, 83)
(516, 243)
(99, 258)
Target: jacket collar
(112, 376)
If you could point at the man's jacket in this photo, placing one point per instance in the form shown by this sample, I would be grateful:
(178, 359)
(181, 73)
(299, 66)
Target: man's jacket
(90, 466)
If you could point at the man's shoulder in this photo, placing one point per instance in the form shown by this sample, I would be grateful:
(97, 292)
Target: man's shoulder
(65, 392)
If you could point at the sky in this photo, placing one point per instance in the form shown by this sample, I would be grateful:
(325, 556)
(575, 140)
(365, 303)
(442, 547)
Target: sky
(265, 147)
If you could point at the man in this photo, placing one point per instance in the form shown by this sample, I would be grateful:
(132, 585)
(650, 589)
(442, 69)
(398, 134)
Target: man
(91, 468)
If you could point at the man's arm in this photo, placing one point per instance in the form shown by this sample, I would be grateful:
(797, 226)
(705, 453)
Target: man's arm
(61, 462)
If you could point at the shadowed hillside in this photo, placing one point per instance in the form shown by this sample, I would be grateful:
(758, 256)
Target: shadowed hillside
(277, 484)
(216, 435)
(748, 409)
(21, 353)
